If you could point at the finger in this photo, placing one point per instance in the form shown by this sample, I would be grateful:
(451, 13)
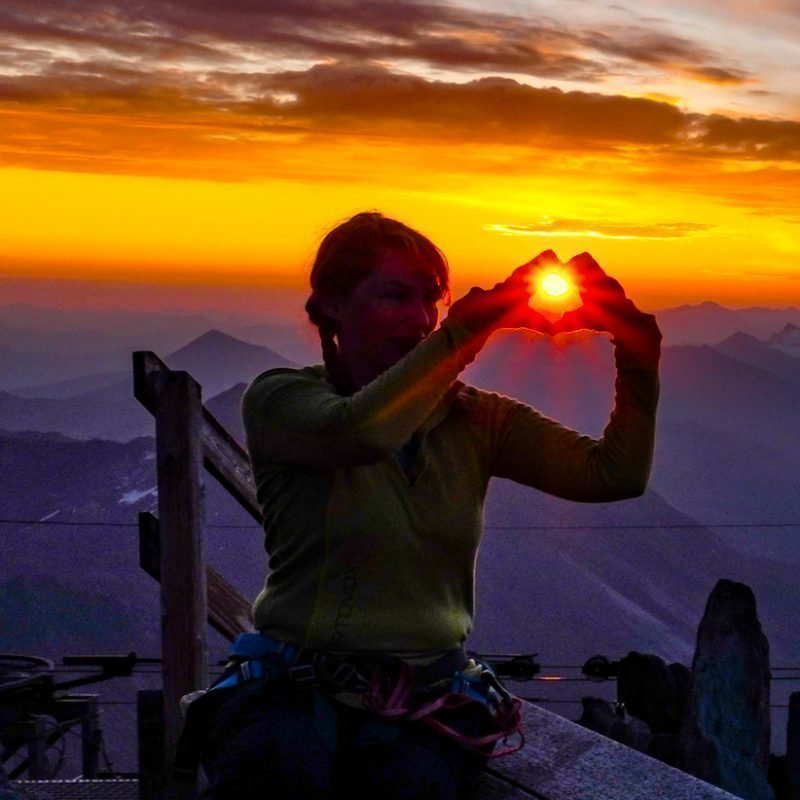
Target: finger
(544, 259)
(575, 320)
(589, 273)
(593, 278)
(525, 317)
(585, 263)
(532, 320)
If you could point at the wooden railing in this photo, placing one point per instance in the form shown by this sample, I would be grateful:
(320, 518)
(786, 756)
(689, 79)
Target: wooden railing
(560, 761)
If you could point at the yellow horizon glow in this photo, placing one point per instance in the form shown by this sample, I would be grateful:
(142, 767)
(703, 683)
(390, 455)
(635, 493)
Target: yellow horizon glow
(212, 232)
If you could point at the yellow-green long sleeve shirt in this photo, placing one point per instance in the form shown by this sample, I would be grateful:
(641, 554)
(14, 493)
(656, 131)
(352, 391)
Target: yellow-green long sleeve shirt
(367, 555)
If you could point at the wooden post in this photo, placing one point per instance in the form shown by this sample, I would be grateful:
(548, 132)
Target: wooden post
(793, 747)
(91, 738)
(39, 768)
(150, 734)
(223, 456)
(179, 458)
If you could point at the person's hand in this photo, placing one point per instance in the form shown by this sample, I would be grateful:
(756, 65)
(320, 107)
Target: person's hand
(606, 308)
(505, 305)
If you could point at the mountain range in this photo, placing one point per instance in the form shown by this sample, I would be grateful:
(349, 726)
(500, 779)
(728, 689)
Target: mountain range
(562, 579)
(105, 407)
(42, 347)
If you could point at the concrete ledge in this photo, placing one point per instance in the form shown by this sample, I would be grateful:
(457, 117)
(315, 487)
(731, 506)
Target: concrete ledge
(564, 761)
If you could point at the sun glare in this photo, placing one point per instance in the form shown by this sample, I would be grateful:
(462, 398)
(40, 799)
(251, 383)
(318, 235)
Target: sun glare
(553, 291)
(554, 284)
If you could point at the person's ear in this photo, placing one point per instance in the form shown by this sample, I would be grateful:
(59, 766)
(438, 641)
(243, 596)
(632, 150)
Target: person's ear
(332, 308)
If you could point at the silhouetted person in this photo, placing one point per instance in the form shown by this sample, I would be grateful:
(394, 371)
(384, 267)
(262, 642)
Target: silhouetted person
(372, 470)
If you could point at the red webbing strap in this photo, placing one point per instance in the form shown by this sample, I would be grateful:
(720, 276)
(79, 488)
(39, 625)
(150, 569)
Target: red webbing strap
(393, 700)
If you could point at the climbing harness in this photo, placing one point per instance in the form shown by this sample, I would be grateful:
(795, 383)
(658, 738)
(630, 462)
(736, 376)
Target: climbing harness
(437, 695)
(393, 695)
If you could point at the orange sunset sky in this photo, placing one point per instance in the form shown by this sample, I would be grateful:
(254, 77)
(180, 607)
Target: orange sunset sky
(196, 151)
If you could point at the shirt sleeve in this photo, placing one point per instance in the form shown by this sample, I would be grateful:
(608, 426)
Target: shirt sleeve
(295, 417)
(539, 452)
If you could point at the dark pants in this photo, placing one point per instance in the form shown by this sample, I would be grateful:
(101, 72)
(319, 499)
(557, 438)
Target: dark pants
(287, 742)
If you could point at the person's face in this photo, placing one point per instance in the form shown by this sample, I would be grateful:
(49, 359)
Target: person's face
(386, 314)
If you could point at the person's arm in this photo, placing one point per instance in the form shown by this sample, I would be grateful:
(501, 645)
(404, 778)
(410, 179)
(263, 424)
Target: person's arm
(292, 417)
(542, 453)
(539, 452)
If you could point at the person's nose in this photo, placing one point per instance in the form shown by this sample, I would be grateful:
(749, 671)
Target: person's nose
(422, 317)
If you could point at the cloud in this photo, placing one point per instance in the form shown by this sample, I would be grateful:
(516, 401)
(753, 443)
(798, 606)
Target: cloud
(235, 125)
(748, 138)
(716, 75)
(443, 36)
(785, 276)
(501, 110)
(670, 54)
(372, 98)
(550, 227)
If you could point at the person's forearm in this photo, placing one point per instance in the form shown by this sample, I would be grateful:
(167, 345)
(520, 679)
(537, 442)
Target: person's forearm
(542, 453)
(638, 343)
(626, 447)
(303, 421)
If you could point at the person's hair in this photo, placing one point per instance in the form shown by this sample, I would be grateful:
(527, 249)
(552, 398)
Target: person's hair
(347, 254)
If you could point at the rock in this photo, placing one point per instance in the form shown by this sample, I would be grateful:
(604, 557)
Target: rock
(725, 734)
(652, 691)
(601, 717)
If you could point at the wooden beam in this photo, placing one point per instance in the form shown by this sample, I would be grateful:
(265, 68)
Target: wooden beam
(183, 577)
(564, 761)
(223, 456)
(229, 611)
(229, 463)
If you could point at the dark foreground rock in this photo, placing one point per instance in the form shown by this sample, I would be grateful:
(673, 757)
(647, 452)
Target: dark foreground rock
(726, 729)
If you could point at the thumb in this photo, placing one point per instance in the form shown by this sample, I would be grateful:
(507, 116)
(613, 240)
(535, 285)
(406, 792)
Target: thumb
(575, 320)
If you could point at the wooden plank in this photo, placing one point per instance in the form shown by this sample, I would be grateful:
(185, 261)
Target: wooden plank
(150, 735)
(183, 577)
(223, 456)
(150, 544)
(564, 761)
(146, 366)
(229, 463)
(229, 612)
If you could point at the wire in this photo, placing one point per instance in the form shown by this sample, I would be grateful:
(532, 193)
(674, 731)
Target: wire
(643, 527)
(100, 524)
(687, 526)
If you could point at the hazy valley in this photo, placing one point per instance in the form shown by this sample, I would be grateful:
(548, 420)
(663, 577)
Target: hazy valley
(561, 579)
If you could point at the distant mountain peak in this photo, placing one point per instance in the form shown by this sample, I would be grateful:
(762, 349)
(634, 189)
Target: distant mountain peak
(738, 339)
(787, 339)
(218, 360)
(215, 335)
(711, 304)
(215, 341)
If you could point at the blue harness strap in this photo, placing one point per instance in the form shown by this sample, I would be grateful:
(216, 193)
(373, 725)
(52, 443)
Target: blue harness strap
(257, 656)
(258, 645)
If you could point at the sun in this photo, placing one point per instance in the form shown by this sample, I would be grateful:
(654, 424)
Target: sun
(554, 284)
(553, 291)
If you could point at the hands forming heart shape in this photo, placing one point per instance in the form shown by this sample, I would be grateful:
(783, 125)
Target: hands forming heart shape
(604, 306)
